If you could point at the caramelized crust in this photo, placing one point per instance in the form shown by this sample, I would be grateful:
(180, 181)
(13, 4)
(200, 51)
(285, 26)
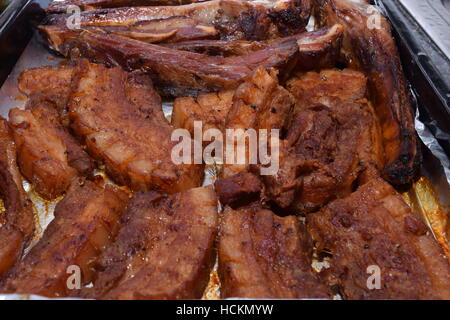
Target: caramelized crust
(164, 249)
(375, 227)
(262, 255)
(119, 117)
(86, 220)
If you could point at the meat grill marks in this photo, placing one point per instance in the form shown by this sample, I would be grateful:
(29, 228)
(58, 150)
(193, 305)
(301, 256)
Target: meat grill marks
(244, 20)
(17, 220)
(164, 249)
(85, 222)
(374, 51)
(374, 226)
(179, 73)
(48, 156)
(119, 117)
(262, 255)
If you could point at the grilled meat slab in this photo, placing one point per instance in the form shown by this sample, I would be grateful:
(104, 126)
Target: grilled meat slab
(238, 190)
(119, 117)
(332, 140)
(86, 220)
(373, 50)
(244, 20)
(262, 255)
(375, 227)
(180, 73)
(17, 220)
(164, 249)
(48, 156)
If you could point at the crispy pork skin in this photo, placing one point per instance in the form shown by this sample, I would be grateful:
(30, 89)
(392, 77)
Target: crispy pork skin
(86, 220)
(51, 83)
(164, 249)
(17, 219)
(244, 20)
(262, 255)
(180, 73)
(48, 156)
(372, 48)
(375, 227)
(209, 108)
(119, 117)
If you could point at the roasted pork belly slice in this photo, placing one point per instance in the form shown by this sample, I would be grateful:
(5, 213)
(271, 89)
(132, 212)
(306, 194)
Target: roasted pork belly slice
(164, 249)
(86, 221)
(375, 228)
(209, 108)
(262, 255)
(48, 156)
(238, 190)
(245, 20)
(175, 72)
(371, 48)
(51, 83)
(119, 117)
(17, 219)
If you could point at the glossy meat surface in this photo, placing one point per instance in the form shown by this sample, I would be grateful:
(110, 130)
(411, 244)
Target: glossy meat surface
(164, 249)
(372, 49)
(119, 117)
(375, 227)
(262, 255)
(86, 220)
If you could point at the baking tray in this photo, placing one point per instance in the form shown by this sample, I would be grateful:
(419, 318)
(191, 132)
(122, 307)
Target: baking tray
(21, 47)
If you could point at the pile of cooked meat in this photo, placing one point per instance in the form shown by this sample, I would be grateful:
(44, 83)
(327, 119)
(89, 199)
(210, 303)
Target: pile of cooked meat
(313, 229)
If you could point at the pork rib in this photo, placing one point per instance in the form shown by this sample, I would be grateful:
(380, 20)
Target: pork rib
(373, 50)
(164, 249)
(262, 255)
(85, 222)
(375, 228)
(119, 117)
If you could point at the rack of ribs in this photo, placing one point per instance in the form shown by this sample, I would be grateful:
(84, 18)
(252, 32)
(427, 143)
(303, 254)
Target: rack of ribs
(86, 220)
(262, 255)
(164, 249)
(375, 227)
(119, 118)
(373, 50)
(17, 220)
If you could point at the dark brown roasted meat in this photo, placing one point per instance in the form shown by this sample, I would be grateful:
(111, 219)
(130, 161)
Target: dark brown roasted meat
(332, 139)
(86, 220)
(372, 48)
(164, 249)
(262, 255)
(238, 190)
(48, 156)
(180, 73)
(375, 228)
(17, 219)
(119, 117)
(244, 20)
